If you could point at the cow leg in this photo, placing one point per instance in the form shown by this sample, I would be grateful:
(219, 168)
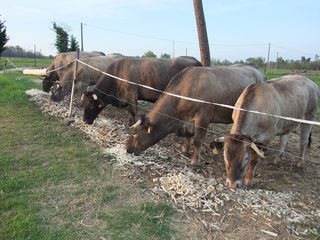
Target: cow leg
(132, 110)
(200, 132)
(283, 145)
(185, 148)
(304, 135)
(248, 179)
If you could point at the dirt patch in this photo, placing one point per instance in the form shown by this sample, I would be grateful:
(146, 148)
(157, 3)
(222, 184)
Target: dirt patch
(284, 203)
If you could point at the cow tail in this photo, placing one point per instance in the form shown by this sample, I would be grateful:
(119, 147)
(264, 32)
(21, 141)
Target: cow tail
(309, 139)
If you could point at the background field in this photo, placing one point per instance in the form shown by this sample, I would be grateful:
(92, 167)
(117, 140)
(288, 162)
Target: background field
(25, 62)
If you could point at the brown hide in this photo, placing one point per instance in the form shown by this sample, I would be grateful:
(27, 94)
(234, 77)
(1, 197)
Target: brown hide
(85, 77)
(292, 96)
(217, 85)
(152, 72)
(60, 60)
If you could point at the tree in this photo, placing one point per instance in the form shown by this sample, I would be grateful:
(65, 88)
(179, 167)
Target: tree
(74, 45)
(149, 54)
(202, 33)
(165, 55)
(61, 38)
(256, 60)
(3, 36)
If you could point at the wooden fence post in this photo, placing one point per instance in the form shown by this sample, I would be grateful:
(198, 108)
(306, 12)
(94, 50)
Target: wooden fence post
(73, 83)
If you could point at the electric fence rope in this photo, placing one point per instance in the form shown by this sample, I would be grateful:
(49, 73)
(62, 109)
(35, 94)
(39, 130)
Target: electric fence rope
(194, 100)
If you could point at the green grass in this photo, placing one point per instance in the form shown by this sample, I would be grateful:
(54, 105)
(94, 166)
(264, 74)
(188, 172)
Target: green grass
(55, 185)
(26, 62)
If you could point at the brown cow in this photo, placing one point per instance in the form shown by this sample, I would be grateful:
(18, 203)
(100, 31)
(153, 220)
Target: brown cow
(152, 72)
(187, 118)
(86, 76)
(60, 60)
(292, 96)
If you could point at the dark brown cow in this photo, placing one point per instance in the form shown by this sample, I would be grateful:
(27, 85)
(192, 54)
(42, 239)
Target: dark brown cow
(292, 96)
(187, 118)
(86, 76)
(152, 72)
(60, 60)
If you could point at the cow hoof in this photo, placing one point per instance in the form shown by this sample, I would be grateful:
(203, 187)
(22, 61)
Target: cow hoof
(195, 167)
(298, 163)
(187, 154)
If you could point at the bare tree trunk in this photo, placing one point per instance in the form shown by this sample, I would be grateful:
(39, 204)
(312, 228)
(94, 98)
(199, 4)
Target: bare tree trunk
(202, 33)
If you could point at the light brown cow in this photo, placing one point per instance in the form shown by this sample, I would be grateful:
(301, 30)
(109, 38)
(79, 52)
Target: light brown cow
(60, 60)
(188, 118)
(293, 96)
(86, 76)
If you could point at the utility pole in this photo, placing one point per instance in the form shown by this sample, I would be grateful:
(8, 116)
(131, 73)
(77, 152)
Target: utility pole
(276, 66)
(81, 37)
(268, 60)
(202, 33)
(172, 48)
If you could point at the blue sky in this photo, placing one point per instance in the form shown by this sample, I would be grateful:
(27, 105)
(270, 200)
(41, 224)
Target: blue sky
(237, 29)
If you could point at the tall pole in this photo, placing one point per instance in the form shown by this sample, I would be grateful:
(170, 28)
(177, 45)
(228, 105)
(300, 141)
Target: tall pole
(172, 48)
(268, 60)
(81, 37)
(202, 33)
(73, 83)
(276, 66)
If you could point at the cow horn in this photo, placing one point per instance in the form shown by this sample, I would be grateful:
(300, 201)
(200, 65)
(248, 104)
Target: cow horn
(58, 86)
(95, 97)
(257, 150)
(82, 97)
(219, 139)
(149, 130)
(136, 124)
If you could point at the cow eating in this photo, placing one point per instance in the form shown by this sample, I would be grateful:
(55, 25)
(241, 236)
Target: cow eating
(187, 118)
(293, 96)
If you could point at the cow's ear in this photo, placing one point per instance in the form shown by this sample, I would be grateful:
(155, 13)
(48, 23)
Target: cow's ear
(145, 122)
(101, 103)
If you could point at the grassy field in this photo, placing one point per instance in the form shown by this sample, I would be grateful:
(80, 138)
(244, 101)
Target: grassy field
(56, 185)
(25, 62)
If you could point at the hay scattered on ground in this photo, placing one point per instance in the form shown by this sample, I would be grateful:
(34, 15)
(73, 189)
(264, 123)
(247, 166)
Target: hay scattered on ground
(186, 189)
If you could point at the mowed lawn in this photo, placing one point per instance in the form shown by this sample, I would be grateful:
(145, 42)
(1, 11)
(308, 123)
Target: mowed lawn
(25, 62)
(54, 184)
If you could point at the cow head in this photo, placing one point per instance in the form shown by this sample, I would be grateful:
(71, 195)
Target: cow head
(143, 135)
(46, 83)
(92, 106)
(241, 157)
(57, 92)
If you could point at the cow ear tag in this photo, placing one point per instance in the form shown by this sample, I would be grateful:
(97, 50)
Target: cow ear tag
(149, 130)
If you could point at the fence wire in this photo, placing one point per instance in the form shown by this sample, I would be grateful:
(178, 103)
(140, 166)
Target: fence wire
(195, 100)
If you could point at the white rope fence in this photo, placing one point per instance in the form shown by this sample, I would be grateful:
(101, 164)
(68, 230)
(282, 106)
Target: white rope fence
(202, 101)
(194, 100)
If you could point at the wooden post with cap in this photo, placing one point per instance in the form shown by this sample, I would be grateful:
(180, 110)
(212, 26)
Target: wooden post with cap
(73, 82)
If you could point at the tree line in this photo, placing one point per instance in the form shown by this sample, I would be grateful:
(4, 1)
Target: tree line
(281, 63)
(19, 52)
